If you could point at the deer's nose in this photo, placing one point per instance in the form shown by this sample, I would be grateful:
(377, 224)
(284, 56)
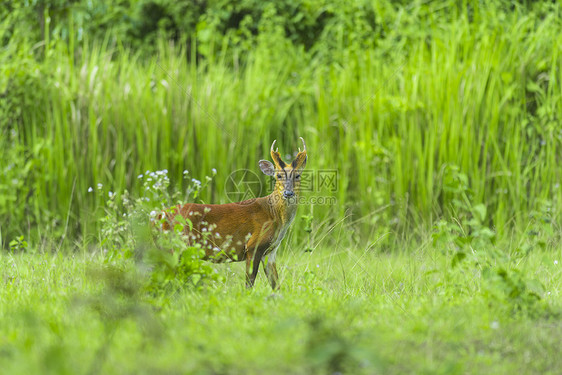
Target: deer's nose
(288, 194)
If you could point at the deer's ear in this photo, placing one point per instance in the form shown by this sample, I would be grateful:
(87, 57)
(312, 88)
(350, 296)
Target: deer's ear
(267, 167)
(300, 161)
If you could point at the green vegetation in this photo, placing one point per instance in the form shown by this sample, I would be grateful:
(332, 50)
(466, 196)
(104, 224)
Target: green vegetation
(355, 310)
(441, 119)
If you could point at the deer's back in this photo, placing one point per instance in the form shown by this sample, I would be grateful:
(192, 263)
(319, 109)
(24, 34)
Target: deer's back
(223, 230)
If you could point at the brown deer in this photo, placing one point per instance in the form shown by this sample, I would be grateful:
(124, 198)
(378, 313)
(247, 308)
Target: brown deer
(250, 230)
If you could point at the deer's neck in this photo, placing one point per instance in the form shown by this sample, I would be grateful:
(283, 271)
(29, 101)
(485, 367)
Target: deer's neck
(282, 209)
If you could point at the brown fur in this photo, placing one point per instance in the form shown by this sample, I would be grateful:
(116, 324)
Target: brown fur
(238, 224)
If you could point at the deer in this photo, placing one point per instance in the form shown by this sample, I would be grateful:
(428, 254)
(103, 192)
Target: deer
(251, 230)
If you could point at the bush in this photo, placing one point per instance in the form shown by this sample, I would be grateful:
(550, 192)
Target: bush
(130, 229)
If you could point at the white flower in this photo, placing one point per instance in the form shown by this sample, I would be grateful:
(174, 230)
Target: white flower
(111, 194)
(196, 182)
(90, 189)
(152, 213)
(186, 172)
(214, 171)
(494, 325)
(139, 176)
(100, 186)
(555, 262)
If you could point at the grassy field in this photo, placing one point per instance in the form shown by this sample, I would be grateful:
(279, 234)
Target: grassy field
(344, 310)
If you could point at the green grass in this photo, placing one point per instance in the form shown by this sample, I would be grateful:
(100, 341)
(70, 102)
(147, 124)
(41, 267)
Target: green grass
(343, 309)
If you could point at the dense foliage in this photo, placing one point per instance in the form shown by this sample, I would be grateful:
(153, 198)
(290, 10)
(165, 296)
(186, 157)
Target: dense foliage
(411, 104)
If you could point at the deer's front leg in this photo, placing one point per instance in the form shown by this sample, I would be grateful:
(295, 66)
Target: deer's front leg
(251, 271)
(256, 248)
(253, 265)
(270, 268)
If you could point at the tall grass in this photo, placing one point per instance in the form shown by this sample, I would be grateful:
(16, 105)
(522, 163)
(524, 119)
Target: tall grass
(475, 97)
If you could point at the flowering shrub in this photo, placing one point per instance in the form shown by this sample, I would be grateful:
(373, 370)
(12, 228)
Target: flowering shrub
(130, 229)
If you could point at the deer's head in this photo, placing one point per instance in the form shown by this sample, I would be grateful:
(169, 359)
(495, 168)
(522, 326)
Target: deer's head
(287, 176)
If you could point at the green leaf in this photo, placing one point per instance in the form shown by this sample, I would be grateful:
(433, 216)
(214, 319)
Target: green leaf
(480, 212)
(536, 287)
(457, 258)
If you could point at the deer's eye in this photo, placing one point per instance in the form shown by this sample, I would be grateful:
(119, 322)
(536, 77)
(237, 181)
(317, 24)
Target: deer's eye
(279, 176)
(298, 177)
